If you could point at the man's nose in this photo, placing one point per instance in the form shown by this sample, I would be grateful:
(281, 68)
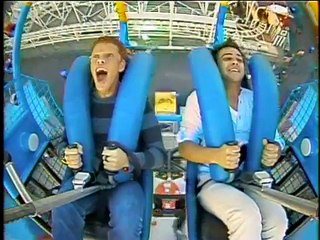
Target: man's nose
(235, 62)
(100, 61)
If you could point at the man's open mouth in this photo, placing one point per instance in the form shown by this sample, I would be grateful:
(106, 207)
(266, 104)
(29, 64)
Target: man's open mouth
(101, 74)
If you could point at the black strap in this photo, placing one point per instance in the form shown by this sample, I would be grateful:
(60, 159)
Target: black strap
(243, 152)
(202, 185)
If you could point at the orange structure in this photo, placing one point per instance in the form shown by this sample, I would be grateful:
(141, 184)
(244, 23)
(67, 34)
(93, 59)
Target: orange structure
(313, 9)
(121, 9)
(168, 188)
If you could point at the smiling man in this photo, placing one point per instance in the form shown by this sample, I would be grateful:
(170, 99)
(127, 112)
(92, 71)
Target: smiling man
(246, 215)
(125, 201)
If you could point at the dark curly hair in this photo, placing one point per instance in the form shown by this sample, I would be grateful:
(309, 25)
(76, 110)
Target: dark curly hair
(230, 43)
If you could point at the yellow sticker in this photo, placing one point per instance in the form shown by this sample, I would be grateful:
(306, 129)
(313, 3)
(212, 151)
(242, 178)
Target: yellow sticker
(165, 102)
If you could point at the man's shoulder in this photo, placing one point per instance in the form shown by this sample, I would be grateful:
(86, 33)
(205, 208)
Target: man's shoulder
(247, 92)
(192, 96)
(192, 100)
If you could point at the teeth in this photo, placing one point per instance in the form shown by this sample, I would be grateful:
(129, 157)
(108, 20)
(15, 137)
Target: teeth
(101, 70)
(234, 70)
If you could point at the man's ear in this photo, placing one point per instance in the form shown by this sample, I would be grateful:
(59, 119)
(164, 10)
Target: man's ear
(122, 65)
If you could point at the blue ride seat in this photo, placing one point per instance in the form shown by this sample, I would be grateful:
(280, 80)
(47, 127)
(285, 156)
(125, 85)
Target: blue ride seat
(97, 223)
(201, 224)
(263, 82)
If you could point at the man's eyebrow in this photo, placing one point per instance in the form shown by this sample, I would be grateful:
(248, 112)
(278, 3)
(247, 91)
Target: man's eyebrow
(103, 53)
(227, 54)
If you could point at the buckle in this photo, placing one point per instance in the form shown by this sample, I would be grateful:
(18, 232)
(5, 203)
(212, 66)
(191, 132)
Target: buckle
(262, 179)
(81, 179)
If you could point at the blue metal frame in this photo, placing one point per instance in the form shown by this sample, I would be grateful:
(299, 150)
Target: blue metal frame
(310, 230)
(219, 33)
(124, 34)
(16, 58)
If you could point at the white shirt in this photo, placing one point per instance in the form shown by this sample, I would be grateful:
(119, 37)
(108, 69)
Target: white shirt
(191, 126)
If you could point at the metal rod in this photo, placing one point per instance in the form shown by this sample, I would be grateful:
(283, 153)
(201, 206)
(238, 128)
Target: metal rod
(37, 220)
(304, 206)
(169, 163)
(46, 204)
(178, 167)
(18, 182)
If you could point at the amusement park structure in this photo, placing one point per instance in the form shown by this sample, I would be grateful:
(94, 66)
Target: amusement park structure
(33, 169)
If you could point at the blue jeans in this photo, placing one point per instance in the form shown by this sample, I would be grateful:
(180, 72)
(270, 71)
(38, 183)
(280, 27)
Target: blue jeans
(126, 207)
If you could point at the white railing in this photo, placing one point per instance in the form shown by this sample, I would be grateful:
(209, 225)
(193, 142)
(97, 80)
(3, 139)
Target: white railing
(57, 22)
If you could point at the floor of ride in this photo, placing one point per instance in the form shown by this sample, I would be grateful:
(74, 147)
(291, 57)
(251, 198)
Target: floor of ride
(161, 228)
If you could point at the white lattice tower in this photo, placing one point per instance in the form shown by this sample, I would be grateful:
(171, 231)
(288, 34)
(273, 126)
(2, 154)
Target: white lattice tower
(169, 25)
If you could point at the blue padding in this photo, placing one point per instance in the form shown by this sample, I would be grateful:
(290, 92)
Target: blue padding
(214, 107)
(127, 119)
(131, 101)
(265, 114)
(191, 201)
(169, 117)
(76, 108)
(147, 183)
(216, 121)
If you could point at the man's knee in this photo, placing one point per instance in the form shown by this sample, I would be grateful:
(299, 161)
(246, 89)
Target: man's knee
(237, 208)
(127, 196)
(243, 215)
(126, 211)
(127, 204)
(276, 223)
(247, 213)
(67, 209)
(65, 212)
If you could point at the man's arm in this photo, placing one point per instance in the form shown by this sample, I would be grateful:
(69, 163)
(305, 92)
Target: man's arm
(154, 154)
(190, 135)
(196, 153)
